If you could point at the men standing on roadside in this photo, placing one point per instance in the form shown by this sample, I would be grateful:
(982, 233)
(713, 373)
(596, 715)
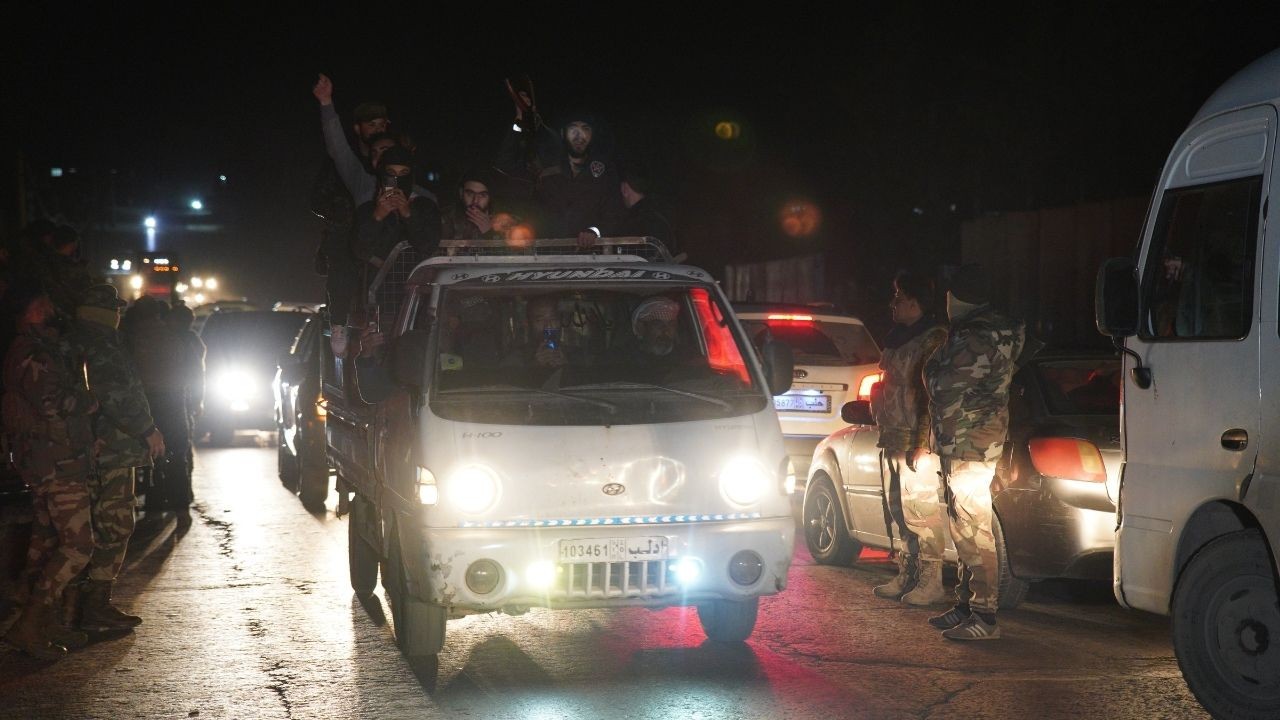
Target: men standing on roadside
(912, 489)
(46, 410)
(127, 438)
(968, 384)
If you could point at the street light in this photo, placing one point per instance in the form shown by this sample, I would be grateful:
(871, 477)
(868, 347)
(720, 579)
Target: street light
(197, 282)
(135, 282)
(197, 205)
(211, 284)
(150, 222)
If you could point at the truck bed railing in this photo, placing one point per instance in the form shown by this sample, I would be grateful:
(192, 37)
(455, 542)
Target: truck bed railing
(648, 248)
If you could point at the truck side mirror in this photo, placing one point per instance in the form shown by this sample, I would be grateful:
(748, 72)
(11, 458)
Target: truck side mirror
(857, 412)
(409, 358)
(779, 366)
(1115, 298)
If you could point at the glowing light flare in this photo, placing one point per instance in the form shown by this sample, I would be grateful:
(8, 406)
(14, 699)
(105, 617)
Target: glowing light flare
(744, 480)
(126, 265)
(540, 575)
(728, 130)
(473, 489)
(197, 205)
(135, 282)
(688, 570)
(800, 218)
(211, 284)
(520, 236)
(197, 282)
(115, 264)
(149, 222)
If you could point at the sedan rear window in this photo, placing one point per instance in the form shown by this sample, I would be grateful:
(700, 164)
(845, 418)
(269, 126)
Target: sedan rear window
(1081, 387)
(815, 342)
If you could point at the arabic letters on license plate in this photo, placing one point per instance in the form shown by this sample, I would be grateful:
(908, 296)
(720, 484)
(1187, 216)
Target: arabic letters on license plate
(802, 403)
(633, 549)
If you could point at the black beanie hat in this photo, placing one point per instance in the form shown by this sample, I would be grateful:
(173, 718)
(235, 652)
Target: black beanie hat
(396, 155)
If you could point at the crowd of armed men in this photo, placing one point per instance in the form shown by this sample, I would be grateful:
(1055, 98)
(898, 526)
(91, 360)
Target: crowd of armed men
(546, 182)
(91, 395)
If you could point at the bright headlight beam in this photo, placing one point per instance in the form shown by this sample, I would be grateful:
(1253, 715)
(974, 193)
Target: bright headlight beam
(744, 481)
(473, 489)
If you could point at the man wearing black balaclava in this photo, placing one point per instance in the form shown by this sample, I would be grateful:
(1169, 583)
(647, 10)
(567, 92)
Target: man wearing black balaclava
(398, 213)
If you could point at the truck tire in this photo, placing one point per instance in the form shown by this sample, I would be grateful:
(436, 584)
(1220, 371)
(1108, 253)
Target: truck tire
(1012, 591)
(825, 532)
(419, 625)
(728, 621)
(313, 484)
(287, 468)
(1226, 627)
(362, 558)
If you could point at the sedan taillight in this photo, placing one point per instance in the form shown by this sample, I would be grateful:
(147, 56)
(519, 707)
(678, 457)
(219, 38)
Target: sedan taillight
(866, 384)
(1070, 458)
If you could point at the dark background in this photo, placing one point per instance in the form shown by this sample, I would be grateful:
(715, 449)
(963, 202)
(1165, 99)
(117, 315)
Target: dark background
(897, 121)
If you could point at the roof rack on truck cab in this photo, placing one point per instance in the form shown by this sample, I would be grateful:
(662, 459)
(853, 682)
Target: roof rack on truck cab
(645, 248)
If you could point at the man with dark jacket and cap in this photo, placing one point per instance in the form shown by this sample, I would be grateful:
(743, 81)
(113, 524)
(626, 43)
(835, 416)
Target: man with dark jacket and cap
(126, 438)
(967, 380)
(573, 182)
(395, 231)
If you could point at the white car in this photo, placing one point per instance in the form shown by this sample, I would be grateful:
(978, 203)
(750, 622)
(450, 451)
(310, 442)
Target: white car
(836, 360)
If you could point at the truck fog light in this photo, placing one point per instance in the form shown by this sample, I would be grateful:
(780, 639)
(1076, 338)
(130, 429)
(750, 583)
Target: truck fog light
(746, 567)
(688, 570)
(483, 576)
(540, 575)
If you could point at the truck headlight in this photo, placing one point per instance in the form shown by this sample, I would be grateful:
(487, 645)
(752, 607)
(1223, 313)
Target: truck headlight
(235, 385)
(744, 480)
(473, 489)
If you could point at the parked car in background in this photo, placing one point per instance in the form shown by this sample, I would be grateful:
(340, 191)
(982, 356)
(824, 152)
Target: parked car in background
(300, 416)
(243, 350)
(836, 360)
(1054, 491)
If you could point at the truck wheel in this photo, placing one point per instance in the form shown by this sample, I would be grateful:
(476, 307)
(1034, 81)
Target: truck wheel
(729, 621)
(362, 557)
(419, 626)
(1012, 591)
(313, 484)
(287, 468)
(825, 532)
(1226, 627)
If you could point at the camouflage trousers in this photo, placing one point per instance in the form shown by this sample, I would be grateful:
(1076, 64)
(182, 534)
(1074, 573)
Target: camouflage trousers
(968, 485)
(113, 522)
(61, 538)
(915, 499)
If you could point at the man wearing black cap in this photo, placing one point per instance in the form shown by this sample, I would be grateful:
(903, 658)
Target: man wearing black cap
(577, 187)
(967, 380)
(126, 438)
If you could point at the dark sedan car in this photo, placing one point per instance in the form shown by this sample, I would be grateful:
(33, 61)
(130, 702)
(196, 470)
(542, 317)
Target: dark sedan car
(300, 416)
(243, 349)
(1054, 490)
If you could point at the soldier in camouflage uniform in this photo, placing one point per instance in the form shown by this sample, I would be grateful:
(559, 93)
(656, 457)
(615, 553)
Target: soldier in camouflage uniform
(127, 438)
(968, 384)
(912, 489)
(46, 409)
(160, 361)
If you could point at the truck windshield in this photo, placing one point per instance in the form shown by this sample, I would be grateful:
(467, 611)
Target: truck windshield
(588, 355)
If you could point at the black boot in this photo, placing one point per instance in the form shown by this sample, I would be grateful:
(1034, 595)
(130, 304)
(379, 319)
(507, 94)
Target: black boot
(97, 612)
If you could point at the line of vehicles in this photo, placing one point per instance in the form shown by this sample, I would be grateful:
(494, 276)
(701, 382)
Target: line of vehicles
(486, 482)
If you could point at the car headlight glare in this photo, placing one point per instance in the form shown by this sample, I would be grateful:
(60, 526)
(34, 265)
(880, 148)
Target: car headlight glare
(235, 385)
(473, 489)
(744, 481)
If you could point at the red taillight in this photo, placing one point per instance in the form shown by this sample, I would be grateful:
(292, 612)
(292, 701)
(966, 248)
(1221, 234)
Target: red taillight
(1067, 458)
(867, 383)
(789, 320)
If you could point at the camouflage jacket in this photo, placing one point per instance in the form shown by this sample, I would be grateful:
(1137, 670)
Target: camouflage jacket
(968, 384)
(46, 408)
(124, 416)
(901, 406)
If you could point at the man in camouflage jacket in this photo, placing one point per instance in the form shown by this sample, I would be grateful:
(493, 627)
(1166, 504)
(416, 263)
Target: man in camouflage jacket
(46, 409)
(127, 438)
(912, 489)
(968, 384)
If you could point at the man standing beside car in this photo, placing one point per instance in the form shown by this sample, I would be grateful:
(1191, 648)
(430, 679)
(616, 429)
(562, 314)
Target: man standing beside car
(127, 438)
(912, 491)
(968, 384)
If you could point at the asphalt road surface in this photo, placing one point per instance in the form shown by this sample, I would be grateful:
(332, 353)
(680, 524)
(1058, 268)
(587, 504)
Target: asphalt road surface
(249, 614)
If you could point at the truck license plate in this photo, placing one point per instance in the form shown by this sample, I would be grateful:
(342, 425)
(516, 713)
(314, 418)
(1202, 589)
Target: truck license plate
(633, 549)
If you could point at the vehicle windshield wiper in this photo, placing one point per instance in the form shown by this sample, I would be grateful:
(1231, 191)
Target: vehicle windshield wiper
(516, 388)
(623, 385)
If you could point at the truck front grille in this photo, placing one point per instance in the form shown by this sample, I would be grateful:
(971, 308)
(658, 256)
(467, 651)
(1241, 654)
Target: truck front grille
(576, 581)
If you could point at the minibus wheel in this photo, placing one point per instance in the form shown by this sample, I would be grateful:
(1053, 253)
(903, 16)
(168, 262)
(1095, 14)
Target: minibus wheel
(419, 626)
(728, 621)
(1226, 627)
(1012, 591)
(362, 558)
(287, 467)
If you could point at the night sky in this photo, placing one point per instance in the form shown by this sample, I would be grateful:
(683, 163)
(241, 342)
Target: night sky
(898, 123)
